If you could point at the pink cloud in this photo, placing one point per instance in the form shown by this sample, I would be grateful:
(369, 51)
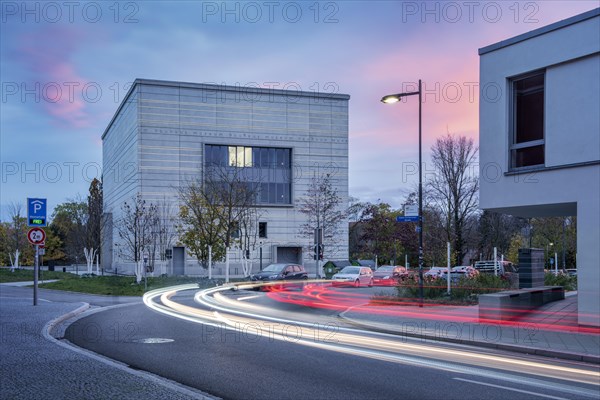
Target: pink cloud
(47, 54)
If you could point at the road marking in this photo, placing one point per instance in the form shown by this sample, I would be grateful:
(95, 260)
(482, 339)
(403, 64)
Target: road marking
(248, 297)
(511, 389)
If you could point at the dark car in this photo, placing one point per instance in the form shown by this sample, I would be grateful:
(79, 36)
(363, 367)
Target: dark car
(389, 275)
(280, 272)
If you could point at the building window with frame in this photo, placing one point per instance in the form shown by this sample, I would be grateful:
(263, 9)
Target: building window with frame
(527, 121)
(262, 229)
(266, 171)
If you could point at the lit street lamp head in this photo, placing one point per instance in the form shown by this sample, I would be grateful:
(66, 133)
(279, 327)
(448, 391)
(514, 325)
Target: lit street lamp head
(390, 99)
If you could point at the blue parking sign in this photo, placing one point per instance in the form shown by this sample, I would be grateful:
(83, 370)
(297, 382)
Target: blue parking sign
(36, 212)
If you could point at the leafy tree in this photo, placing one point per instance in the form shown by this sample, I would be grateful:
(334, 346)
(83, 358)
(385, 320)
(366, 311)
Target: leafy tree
(501, 231)
(54, 246)
(78, 225)
(382, 235)
(200, 224)
(219, 211)
(93, 237)
(547, 234)
(69, 223)
(516, 242)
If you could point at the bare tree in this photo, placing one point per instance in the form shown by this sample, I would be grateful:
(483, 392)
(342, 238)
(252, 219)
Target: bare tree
(135, 230)
(163, 234)
(454, 187)
(16, 240)
(323, 209)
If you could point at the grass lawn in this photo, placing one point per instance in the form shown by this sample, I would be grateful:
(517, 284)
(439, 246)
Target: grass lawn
(107, 285)
(121, 285)
(23, 275)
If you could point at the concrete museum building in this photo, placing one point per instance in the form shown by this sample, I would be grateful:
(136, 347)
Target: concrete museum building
(539, 127)
(165, 134)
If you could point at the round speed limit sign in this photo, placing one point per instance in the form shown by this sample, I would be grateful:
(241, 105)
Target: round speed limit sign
(36, 236)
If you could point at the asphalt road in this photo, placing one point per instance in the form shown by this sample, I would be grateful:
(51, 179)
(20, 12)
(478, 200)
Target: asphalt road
(240, 365)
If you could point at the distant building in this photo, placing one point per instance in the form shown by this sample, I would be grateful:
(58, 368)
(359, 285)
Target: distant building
(166, 133)
(539, 133)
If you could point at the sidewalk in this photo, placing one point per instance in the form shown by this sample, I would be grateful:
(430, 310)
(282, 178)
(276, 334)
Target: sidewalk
(34, 365)
(550, 330)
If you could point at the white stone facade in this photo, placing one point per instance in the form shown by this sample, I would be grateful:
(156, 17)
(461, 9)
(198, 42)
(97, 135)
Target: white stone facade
(563, 177)
(157, 139)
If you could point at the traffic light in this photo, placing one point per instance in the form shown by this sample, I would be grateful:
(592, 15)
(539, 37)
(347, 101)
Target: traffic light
(318, 252)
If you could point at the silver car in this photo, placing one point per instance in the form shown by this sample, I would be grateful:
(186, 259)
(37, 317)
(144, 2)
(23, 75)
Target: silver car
(353, 276)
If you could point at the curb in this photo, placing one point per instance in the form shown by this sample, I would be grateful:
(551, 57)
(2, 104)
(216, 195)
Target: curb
(508, 347)
(80, 313)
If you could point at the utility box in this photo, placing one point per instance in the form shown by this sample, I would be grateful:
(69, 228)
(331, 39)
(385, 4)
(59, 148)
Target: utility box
(531, 268)
(329, 269)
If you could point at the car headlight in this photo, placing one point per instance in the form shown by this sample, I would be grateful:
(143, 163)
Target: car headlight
(386, 277)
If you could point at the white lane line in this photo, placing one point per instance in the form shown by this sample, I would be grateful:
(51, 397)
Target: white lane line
(248, 297)
(511, 389)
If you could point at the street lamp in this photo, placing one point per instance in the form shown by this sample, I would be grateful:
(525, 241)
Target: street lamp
(394, 98)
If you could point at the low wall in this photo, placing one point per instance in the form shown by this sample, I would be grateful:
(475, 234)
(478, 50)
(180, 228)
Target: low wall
(504, 306)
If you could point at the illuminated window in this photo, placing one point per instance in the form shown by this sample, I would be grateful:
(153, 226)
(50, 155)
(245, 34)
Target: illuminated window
(240, 156)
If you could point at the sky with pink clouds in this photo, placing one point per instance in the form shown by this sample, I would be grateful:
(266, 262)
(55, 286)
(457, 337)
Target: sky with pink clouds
(65, 67)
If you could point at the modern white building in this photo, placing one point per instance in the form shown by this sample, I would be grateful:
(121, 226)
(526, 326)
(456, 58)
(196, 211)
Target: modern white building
(164, 134)
(539, 127)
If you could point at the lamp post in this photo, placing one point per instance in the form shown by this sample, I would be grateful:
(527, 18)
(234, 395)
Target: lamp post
(394, 98)
(260, 250)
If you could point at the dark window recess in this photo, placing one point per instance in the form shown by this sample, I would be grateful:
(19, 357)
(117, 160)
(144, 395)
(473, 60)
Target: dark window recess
(235, 230)
(262, 229)
(528, 156)
(527, 144)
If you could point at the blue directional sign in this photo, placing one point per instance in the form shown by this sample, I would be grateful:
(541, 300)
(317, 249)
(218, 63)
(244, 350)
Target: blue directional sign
(414, 218)
(36, 212)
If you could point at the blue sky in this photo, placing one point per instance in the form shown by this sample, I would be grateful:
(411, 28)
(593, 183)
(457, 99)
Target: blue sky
(64, 69)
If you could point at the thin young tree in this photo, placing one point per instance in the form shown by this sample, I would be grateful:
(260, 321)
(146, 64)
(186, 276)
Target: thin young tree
(163, 233)
(16, 239)
(135, 230)
(323, 209)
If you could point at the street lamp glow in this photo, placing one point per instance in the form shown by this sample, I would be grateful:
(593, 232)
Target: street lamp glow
(390, 99)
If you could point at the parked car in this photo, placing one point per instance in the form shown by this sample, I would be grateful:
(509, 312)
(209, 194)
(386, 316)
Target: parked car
(466, 270)
(353, 276)
(280, 272)
(389, 275)
(502, 267)
(435, 272)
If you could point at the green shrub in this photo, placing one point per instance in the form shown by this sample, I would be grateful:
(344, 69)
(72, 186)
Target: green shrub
(466, 289)
(568, 282)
